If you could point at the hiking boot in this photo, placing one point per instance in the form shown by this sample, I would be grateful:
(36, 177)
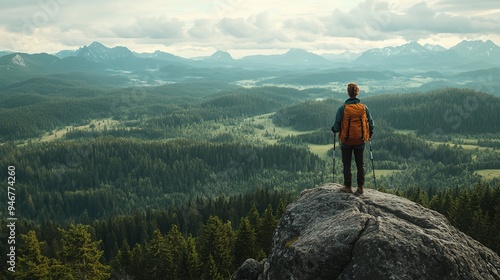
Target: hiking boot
(346, 189)
(359, 190)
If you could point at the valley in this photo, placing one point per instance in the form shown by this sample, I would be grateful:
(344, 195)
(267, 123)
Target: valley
(264, 131)
(98, 125)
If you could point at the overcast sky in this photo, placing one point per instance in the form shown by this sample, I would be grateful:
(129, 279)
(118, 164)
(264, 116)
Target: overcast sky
(200, 27)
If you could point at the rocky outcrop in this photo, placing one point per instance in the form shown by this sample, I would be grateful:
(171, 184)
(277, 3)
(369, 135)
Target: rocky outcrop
(327, 234)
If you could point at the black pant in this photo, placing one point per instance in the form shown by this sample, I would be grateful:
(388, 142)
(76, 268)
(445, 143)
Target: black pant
(360, 165)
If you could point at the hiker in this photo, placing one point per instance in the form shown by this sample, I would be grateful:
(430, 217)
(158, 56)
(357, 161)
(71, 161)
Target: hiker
(355, 124)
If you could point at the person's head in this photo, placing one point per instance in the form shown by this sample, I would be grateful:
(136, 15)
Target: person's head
(352, 90)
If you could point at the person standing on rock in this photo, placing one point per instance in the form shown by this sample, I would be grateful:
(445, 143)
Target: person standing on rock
(355, 125)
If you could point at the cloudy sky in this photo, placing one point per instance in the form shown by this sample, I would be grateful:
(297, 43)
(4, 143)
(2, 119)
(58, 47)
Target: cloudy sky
(200, 27)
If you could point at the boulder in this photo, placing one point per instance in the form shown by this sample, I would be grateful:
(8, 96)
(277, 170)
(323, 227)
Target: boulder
(327, 234)
(249, 270)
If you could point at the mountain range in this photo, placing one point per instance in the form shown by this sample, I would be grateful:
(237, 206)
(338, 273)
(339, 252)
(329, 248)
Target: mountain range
(465, 54)
(409, 66)
(415, 55)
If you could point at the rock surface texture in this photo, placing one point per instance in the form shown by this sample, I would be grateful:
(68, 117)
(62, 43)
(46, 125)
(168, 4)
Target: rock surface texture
(327, 234)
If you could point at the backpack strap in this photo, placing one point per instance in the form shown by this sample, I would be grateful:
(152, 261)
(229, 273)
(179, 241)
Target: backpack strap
(362, 129)
(348, 129)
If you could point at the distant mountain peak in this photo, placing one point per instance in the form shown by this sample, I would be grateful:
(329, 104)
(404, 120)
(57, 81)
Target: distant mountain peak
(413, 46)
(301, 53)
(304, 56)
(475, 44)
(412, 53)
(296, 50)
(413, 43)
(96, 44)
(489, 42)
(65, 53)
(221, 55)
(301, 56)
(410, 48)
(434, 48)
(409, 53)
(292, 58)
(472, 42)
(97, 52)
(477, 49)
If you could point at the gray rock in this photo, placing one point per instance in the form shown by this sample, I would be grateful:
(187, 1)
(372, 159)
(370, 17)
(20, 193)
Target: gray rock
(249, 270)
(328, 234)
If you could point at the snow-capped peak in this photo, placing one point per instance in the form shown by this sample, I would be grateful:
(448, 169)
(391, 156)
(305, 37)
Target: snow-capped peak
(18, 60)
(434, 48)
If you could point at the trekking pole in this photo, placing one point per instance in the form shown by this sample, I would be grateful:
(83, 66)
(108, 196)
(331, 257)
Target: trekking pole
(373, 167)
(334, 146)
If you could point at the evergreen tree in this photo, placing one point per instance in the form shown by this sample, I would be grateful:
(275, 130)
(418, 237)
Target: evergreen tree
(177, 245)
(122, 262)
(158, 260)
(212, 271)
(254, 217)
(216, 242)
(191, 261)
(138, 258)
(32, 263)
(460, 212)
(80, 254)
(446, 203)
(246, 245)
(59, 270)
(266, 229)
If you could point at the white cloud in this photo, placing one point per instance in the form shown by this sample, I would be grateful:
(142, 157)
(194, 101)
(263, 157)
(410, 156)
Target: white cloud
(155, 28)
(305, 25)
(468, 5)
(379, 20)
(238, 28)
(237, 25)
(203, 29)
(261, 28)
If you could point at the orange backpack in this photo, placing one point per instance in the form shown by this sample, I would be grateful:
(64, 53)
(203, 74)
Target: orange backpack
(354, 129)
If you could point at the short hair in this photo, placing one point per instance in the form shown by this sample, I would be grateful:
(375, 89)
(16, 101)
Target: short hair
(352, 89)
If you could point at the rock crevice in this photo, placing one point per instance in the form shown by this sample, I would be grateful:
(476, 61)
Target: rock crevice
(368, 220)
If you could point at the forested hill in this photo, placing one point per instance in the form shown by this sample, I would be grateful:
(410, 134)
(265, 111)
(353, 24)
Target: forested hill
(442, 111)
(82, 180)
(308, 115)
(43, 104)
